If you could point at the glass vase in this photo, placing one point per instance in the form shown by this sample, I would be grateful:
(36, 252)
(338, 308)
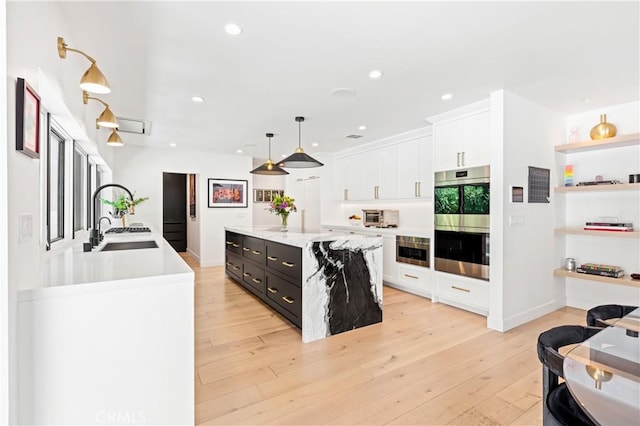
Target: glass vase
(284, 218)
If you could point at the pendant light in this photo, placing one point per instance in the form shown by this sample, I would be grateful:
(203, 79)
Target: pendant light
(299, 159)
(269, 168)
(92, 80)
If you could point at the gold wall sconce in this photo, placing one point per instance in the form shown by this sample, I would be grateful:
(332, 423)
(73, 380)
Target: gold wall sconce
(93, 80)
(114, 139)
(107, 118)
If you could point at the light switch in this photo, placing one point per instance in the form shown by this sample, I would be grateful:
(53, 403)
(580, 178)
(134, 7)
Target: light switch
(516, 220)
(25, 233)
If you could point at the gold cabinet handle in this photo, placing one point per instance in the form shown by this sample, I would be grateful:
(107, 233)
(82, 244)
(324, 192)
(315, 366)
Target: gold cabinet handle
(229, 264)
(246, 248)
(272, 290)
(236, 267)
(287, 299)
(255, 280)
(256, 252)
(246, 274)
(229, 243)
(289, 265)
(466, 290)
(345, 196)
(272, 258)
(411, 276)
(236, 245)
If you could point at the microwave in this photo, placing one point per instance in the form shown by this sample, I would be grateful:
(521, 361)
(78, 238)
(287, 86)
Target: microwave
(380, 218)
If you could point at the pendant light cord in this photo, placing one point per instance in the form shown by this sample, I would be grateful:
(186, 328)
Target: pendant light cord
(269, 149)
(299, 133)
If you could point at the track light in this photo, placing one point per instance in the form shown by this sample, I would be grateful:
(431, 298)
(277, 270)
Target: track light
(114, 139)
(92, 80)
(269, 168)
(299, 159)
(107, 118)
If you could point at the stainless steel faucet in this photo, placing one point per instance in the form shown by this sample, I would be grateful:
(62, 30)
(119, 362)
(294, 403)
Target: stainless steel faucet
(96, 235)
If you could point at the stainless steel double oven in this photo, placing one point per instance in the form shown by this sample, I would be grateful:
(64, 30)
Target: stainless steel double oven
(461, 204)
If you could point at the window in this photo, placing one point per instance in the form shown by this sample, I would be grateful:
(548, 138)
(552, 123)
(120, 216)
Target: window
(80, 203)
(55, 184)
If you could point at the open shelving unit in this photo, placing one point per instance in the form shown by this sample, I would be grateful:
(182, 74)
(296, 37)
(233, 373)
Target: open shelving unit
(580, 231)
(624, 280)
(599, 188)
(591, 145)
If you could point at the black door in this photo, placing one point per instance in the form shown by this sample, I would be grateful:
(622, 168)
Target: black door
(174, 210)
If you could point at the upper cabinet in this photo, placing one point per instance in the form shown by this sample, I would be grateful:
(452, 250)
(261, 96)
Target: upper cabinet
(462, 138)
(396, 170)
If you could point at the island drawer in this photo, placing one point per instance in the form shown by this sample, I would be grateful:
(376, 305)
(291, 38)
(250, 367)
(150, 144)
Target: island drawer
(253, 248)
(253, 276)
(233, 265)
(285, 259)
(286, 296)
(233, 242)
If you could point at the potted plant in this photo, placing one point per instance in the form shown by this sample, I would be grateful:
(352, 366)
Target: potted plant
(282, 205)
(122, 205)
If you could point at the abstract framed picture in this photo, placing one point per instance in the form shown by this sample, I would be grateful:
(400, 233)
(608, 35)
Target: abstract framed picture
(27, 120)
(192, 195)
(227, 193)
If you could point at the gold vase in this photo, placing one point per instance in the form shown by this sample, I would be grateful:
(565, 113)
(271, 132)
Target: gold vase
(603, 130)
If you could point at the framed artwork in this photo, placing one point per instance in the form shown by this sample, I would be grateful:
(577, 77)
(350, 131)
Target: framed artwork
(192, 195)
(27, 120)
(258, 195)
(267, 195)
(227, 193)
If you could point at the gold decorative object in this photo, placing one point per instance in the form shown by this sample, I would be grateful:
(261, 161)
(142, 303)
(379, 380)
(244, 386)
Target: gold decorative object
(598, 375)
(107, 117)
(603, 130)
(92, 80)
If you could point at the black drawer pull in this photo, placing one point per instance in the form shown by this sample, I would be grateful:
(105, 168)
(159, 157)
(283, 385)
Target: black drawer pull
(289, 265)
(272, 290)
(272, 258)
(255, 280)
(246, 248)
(246, 274)
(287, 299)
(256, 252)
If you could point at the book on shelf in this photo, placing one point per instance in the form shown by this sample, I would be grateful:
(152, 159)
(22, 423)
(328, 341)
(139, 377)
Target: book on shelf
(607, 228)
(611, 274)
(600, 267)
(614, 224)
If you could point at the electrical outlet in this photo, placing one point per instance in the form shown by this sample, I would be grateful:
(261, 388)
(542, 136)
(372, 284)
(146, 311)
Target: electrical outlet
(516, 220)
(25, 231)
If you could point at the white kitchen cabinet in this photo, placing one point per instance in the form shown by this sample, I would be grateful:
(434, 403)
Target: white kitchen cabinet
(462, 142)
(463, 292)
(414, 279)
(348, 178)
(370, 177)
(380, 173)
(414, 170)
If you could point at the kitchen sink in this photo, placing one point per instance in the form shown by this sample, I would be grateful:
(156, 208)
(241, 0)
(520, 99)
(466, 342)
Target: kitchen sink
(129, 245)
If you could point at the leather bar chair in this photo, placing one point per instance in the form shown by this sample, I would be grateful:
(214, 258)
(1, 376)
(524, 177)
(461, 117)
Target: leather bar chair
(597, 316)
(559, 407)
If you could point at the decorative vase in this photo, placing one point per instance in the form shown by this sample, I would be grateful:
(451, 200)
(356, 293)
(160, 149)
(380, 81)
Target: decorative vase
(284, 218)
(603, 130)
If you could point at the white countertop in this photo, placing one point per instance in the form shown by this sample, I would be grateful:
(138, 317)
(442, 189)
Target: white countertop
(73, 271)
(412, 232)
(293, 237)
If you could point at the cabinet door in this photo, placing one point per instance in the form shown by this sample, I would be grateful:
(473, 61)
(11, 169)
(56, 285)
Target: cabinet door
(340, 178)
(370, 175)
(354, 177)
(474, 140)
(425, 175)
(408, 168)
(389, 265)
(388, 172)
(446, 137)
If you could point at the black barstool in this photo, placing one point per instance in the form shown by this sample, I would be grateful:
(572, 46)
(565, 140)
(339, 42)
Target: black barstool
(559, 407)
(597, 316)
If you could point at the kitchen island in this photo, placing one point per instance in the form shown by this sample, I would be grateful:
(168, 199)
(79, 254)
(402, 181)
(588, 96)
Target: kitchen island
(107, 337)
(325, 283)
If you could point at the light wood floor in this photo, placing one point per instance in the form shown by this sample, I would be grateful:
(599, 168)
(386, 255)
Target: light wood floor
(426, 364)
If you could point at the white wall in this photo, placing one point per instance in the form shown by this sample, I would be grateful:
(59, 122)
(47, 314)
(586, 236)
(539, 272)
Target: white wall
(617, 164)
(522, 257)
(140, 169)
(4, 254)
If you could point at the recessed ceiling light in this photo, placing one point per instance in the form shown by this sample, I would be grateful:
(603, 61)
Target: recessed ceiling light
(375, 74)
(446, 96)
(314, 144)
(239, 151)
(233, 29)
(172, 145)
(197, 99)
(283, 156)
(343, 92)
(586, 100)
(362, 127)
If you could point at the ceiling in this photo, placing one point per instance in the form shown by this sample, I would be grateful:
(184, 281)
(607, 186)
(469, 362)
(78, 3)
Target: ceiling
(291, 55)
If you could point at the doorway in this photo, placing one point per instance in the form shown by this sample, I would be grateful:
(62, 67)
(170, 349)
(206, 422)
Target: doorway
(174, 210)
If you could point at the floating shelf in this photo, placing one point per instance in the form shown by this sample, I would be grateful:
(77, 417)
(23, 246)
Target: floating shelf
(599, 188)
(592, 145)
(580, 231)
(625, 280)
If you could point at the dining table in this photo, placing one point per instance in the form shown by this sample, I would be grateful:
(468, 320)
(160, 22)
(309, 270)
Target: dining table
(603, 373)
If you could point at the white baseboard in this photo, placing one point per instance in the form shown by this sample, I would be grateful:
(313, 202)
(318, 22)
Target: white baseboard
(193, 253)
(411, 290)
(520, 318)
(211, 263)
(475, 309)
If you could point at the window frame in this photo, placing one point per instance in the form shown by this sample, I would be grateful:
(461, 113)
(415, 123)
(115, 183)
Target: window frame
(54, 130)
(82, 180)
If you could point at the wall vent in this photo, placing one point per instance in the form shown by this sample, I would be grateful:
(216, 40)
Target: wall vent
(131, 125)
(353, 136)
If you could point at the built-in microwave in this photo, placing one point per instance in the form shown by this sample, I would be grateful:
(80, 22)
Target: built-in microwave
(380, 218)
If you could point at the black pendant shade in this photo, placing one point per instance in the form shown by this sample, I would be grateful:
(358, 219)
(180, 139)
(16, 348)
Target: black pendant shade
(269, 167)
(300, 160)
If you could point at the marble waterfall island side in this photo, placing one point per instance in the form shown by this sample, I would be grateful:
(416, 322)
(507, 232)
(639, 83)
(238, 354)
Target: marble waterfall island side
(325, 283)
